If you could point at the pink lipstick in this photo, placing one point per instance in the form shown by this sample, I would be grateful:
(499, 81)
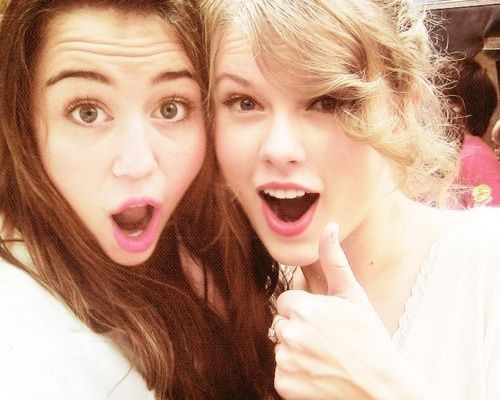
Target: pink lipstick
(135, 224)
(288, 208)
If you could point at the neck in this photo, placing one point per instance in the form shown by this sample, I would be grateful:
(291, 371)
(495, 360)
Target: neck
(378, 245)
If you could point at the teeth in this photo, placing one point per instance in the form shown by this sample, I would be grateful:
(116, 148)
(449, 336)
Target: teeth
(136, 233)
(284, 194)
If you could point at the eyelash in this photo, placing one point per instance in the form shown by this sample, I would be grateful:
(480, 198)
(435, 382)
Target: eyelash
(88, 101)
(231, 100)
(188, 105)
(78, 102)
(336, 103)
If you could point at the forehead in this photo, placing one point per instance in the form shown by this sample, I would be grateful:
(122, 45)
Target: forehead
(94, 36)
(237, 54)
(234, 44)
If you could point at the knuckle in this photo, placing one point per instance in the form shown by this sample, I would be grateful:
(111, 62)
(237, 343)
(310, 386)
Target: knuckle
(290, 333)
(283, 385)
(302, 310)
(281, 357)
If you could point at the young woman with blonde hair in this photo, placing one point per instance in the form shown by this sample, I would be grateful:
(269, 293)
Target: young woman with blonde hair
(115, 275)
(325, 111)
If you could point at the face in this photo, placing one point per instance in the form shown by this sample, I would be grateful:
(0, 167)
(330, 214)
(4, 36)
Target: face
(291, 166)
(119, 125)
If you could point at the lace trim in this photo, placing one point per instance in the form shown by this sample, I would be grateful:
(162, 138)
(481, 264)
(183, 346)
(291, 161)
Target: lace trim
(418, 291)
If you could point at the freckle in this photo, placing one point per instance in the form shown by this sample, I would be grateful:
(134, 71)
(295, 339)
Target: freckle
(371, 263)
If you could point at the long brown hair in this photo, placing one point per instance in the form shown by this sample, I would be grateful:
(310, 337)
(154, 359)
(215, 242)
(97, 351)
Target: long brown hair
(183, 348)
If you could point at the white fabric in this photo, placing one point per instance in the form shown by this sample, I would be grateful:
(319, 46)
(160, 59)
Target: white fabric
(46, 353)
(451, 326)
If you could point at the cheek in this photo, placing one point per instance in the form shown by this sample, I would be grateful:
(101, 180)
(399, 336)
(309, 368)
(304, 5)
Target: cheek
(184, 162)
(355, 175)
(69, 168)
(234, 154)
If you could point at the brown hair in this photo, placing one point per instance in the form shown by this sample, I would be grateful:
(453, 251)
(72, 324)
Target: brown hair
(183, 348)
(474, 93)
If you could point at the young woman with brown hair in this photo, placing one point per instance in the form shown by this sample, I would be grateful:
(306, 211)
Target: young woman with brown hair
(118, 278)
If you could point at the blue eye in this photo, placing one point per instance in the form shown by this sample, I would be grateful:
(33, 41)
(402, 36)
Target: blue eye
(246, 104)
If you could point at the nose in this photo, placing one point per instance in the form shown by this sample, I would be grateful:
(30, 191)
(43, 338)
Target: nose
(135, 156)
(282, 145)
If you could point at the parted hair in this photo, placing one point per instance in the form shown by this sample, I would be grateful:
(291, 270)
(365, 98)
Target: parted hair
(184, 347)
(375, 57)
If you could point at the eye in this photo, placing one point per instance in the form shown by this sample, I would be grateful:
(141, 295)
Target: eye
(240, 103)
(326, 104)
(246, 104)
(172, 111)
(88, 114)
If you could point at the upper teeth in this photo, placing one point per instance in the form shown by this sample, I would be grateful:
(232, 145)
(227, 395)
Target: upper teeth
(285, 194)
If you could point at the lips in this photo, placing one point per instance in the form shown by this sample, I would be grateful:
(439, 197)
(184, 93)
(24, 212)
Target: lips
(288, 208)
(135, 224)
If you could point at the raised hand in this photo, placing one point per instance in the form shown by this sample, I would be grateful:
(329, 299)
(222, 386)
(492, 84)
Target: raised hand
(335, 346)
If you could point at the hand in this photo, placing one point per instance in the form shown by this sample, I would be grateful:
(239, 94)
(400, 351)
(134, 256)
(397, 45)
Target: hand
(335, 346)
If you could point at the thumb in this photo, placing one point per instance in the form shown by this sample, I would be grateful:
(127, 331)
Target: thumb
(340, 280)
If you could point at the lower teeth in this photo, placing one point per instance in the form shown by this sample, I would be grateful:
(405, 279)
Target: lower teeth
(135, 233)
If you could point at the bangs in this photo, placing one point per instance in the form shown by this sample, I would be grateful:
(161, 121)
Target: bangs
(305, 46)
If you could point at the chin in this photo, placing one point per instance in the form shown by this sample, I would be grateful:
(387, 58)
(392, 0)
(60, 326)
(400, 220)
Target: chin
(130, 259)
(295, 255)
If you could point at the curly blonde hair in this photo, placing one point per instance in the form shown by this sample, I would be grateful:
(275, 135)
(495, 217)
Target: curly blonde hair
(375, 57)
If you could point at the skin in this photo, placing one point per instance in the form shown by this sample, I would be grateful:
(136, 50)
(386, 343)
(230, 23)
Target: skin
(131, 150)
(266, 133)
(288, 138)
(355, 293)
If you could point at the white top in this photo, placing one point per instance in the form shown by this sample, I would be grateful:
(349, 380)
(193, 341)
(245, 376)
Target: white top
(46, 353)
(450, 329)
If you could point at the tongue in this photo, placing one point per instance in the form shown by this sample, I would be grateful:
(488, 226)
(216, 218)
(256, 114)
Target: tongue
(133, 218)
(290, 210)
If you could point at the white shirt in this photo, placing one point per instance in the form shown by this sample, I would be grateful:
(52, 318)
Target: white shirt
(450, 329)
(46, 353)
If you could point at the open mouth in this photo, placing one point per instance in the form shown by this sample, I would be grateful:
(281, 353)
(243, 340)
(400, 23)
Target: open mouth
(288, 205)
(133, 221)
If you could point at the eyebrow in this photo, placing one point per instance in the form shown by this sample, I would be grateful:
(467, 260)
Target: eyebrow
(232, 77)
(172, 75)
(98, 77)
(82, 74)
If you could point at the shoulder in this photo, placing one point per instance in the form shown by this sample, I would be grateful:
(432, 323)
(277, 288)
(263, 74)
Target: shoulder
(25, 302)
(46, 352)
(481, 224)
(471, 241)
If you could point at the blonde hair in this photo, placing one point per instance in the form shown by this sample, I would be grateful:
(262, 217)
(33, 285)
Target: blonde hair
(374, 57)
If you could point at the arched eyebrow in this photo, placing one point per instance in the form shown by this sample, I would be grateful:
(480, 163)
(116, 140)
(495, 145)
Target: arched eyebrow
(232, 77)
(98, 77)
(82, 74)
(172, 75)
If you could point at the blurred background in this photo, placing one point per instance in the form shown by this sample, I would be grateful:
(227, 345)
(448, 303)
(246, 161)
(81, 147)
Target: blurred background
(471, 27)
